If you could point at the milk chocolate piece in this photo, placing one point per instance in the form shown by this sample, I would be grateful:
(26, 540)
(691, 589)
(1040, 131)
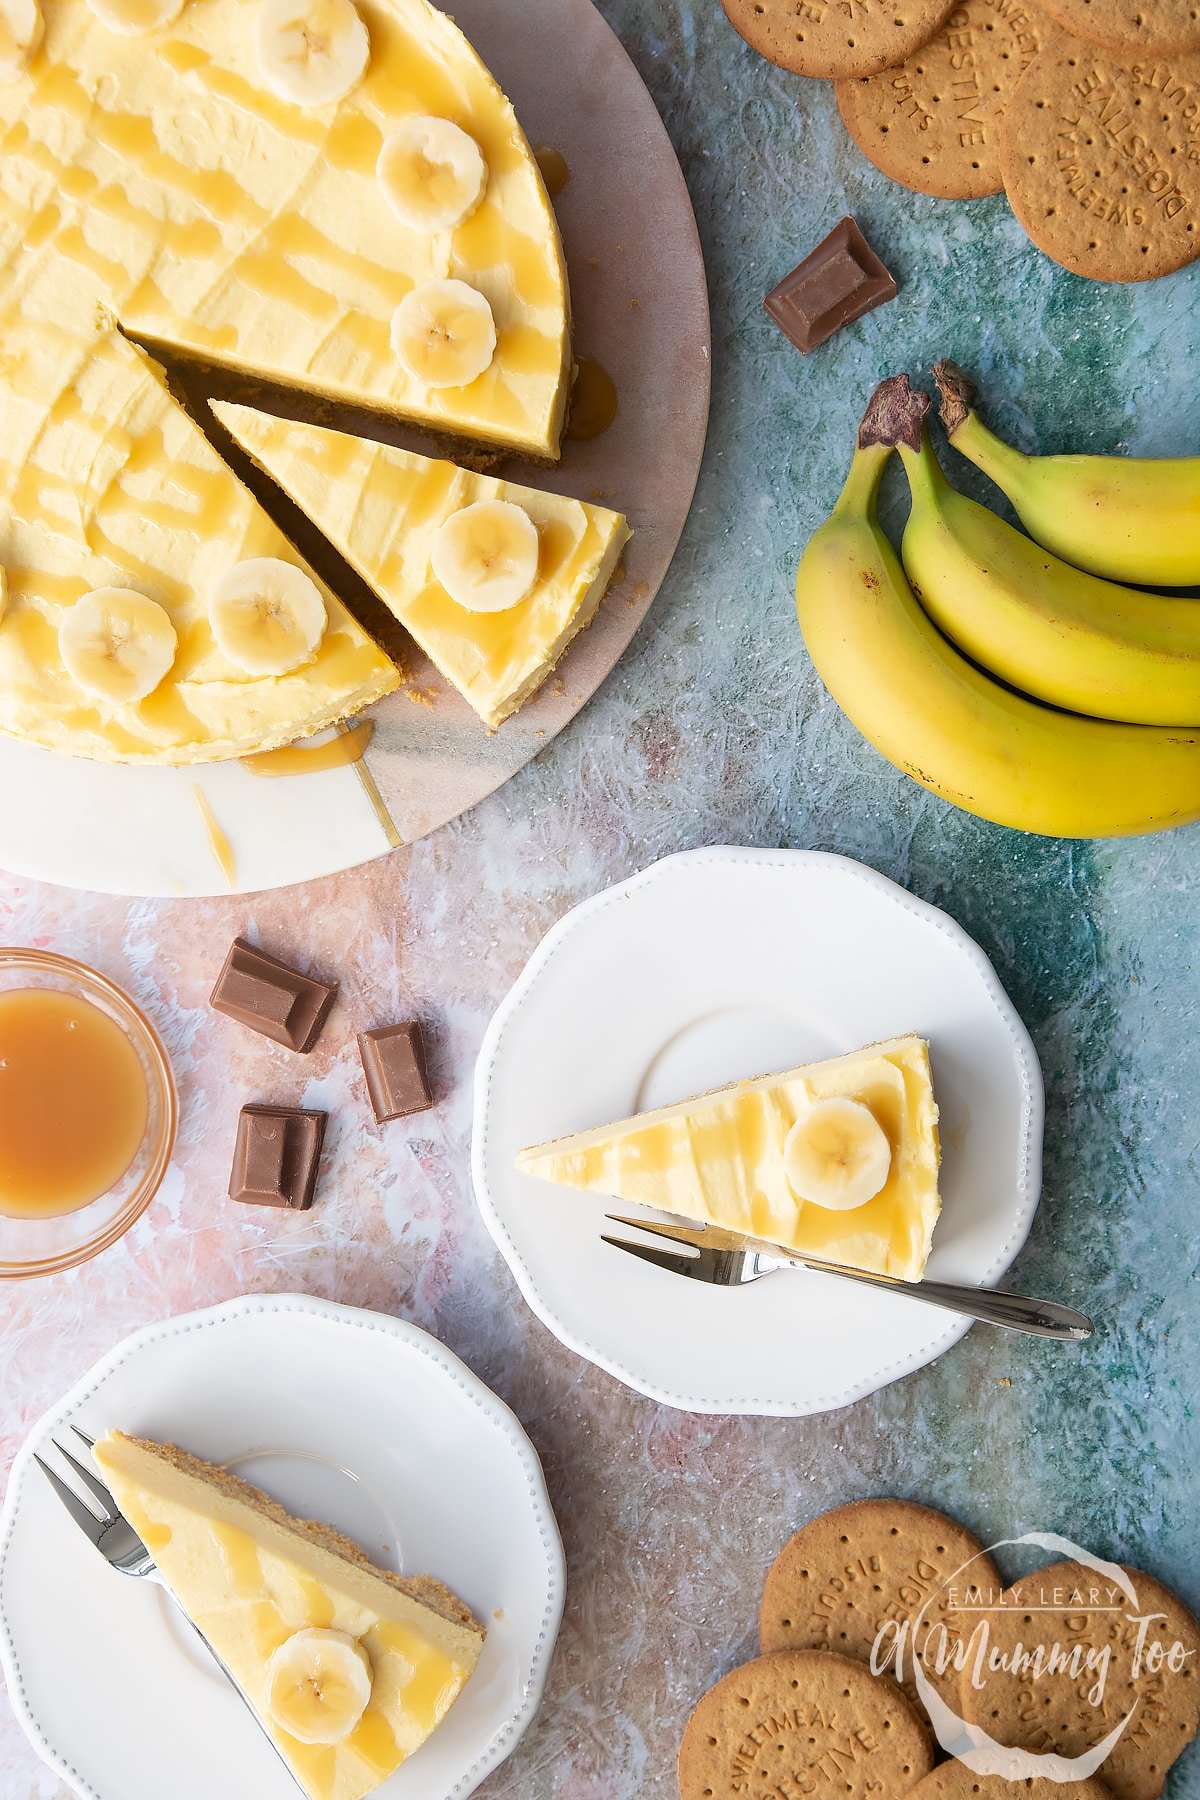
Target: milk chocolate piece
(260, 991)
(276, 1156)
(393, 1060)
(841, 280)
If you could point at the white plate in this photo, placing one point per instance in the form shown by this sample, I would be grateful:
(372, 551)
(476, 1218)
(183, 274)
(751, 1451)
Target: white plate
(724, 963)
(342, 1415)
(641, 310)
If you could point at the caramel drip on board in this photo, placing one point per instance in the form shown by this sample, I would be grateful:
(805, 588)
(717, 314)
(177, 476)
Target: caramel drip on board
(593, 402)
(218, 843)
(556, 171)
(341, 752)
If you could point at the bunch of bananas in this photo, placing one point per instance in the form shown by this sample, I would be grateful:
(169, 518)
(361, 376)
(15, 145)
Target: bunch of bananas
(1021, 683)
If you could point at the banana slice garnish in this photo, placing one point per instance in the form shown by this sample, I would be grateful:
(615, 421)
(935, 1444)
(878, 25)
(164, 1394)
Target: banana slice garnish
(118, 644)
(134, 18)
(837, 1155)
(312, 52)
(267, 616)
(432, 173)
(486, 556)
(21, 28)
(444, 334)
(318, 1684)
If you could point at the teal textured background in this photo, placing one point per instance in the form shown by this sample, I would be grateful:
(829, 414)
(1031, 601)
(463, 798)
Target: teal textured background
(714, 728)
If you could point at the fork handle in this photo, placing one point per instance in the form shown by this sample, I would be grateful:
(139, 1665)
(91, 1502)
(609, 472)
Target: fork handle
(1014, 1312)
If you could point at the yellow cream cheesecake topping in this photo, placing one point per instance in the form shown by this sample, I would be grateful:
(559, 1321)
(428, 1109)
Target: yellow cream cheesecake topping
(835, 1160)
(493, 580)
(120, 531)
(348, 1673)
(166, 178)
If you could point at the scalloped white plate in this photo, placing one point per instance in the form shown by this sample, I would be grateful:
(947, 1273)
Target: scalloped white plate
(343, 1415)
(706, 967)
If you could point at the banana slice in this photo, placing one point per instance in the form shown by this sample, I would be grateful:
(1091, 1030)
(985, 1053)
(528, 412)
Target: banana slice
(117, 644)
(432, 173)
(486, 556)
(837, 1155)
(444, 334)
(311, 51)
(134, 18)
(318, 1684)
(267, 616)
(21, 27)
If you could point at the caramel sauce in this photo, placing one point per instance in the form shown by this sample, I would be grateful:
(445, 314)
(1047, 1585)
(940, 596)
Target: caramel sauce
(73, 1103)
(341, 752)
(555, 169)
(593, 402)
(218, 843)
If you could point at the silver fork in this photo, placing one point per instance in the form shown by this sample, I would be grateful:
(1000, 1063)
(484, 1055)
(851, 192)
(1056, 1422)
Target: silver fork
(121, 1547)
(723, 1259)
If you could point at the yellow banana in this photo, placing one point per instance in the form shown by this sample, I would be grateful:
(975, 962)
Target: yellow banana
(943, 722)
(1128, 518)
(1044, 627)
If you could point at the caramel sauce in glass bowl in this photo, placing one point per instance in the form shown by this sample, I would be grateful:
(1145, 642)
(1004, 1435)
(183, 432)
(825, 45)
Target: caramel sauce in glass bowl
(87, 1112)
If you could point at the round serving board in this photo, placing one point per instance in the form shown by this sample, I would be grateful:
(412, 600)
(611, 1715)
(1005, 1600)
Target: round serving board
(641, 312)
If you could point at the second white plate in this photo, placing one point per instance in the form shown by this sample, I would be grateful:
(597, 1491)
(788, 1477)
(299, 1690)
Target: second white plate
(723, 963)
(342, 1415)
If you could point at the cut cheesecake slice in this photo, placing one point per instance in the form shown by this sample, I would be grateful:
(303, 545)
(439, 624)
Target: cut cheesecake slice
(108, 485)
(349, 1668)
(387, 510)
(834, 1160)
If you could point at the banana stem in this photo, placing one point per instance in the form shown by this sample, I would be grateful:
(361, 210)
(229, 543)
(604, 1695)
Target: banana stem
(925, 475)
(861, 488)
(967, 431)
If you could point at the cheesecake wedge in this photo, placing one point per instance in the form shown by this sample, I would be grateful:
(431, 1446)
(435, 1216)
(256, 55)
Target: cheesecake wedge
(835, 1160)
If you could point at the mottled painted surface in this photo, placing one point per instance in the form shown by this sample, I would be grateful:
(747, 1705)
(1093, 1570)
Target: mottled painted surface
(715, 729)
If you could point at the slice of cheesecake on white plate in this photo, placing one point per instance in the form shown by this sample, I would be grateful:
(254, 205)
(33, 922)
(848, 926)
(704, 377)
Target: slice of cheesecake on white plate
(834, 1160)
(348, 1667)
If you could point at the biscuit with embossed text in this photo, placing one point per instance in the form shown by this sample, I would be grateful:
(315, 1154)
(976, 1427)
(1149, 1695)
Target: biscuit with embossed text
(1101, 160)
(933, 122)
(1125, 25)
(867, 1569)
(833, 38)
(803, 1722)
(1119, 1659)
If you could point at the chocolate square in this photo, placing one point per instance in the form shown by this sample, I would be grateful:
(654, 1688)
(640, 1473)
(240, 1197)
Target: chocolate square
(837, 283)
(393, 1060)
(260, 991)
(276, 1156)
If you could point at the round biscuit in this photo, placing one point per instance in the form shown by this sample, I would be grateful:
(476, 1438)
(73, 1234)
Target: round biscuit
(933, 122)
(853, 1572)
(1101, 160)
(803, 1722)
(835, 38)
(1125, 25)
(1061, 1711)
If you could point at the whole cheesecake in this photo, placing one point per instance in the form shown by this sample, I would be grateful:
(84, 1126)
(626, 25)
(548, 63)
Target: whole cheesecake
(329, 195)
(348, 1667)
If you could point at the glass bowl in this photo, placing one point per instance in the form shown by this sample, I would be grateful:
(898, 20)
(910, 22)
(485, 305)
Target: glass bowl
(44, 1246)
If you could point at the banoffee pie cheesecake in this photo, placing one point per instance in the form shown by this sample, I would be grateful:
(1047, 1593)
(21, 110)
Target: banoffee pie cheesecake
(149, 609)
(836, 1161)
(493, 580)
(349, 1668)
(331, 195)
